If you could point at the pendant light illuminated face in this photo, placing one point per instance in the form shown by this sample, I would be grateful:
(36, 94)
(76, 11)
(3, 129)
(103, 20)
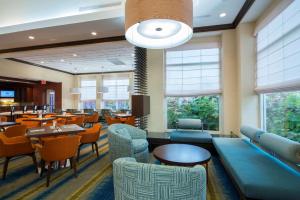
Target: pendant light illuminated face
(158, 24)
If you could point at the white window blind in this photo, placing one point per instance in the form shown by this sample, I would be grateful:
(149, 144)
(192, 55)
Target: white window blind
(278, 52)
(193, 72)
(88, 90)
(117, 88)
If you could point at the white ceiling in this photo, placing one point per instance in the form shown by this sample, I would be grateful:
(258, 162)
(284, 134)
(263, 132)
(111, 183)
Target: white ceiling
(57, 21)
(94, 58)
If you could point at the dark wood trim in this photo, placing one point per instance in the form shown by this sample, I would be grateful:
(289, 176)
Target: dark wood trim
(213, 28)
(37, 65)
(247, 5)
(91, 73)
(19, 80)
(64, 44)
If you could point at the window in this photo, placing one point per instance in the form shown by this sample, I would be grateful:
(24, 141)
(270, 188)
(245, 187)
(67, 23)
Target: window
(278, 73)
(193, 86)
(117, 95)
(278, 63)
(281, 113)
(88, 94)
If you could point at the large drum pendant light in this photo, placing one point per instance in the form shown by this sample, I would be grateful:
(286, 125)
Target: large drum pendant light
(158, 24)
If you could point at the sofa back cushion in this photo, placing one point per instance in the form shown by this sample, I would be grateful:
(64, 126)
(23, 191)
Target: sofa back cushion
(283, 147)
(252, 133)
(189, 124)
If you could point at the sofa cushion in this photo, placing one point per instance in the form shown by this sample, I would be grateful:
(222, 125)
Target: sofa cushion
(139, 145)
(189, 123)
(191, 136)
(258, 175)
(283, 147)
(252, 133)
(123, 132)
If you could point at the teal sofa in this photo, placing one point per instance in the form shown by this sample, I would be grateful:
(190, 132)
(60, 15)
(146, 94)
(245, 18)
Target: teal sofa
(127, 141)
(257, 173)
(134, 180)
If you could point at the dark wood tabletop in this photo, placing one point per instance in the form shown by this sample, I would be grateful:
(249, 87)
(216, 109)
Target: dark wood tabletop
(54, 131)
(7, 124)
(181, 155)
(37, 119)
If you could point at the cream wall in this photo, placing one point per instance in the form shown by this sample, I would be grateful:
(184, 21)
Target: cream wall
(246, 57)
(18, 70)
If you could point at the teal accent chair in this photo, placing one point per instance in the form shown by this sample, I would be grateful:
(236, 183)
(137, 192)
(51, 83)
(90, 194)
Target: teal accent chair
(127, 141)
(133, 180)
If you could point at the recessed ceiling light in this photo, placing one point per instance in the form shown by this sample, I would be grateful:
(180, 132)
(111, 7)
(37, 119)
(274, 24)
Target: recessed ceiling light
(74, 55)
(31, 37)
(62, 60)
(42, 62)
(94, 33)
(223, 15)
(132, 54)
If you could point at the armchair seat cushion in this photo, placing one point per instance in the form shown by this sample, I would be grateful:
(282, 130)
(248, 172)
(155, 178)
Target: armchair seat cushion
(191, 136)
(139, 145)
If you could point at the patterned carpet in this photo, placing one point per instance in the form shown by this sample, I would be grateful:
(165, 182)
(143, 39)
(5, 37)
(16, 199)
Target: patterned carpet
(94, 179)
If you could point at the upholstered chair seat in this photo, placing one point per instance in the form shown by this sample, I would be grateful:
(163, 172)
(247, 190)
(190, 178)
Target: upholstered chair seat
(127, 141)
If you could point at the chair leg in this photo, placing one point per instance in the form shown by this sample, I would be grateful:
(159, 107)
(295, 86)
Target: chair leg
(74, 166)
(34, 162)
(49, 173)
(78, 153)
(42, 167)
(5, 167)
(97, 151)
(93, 147)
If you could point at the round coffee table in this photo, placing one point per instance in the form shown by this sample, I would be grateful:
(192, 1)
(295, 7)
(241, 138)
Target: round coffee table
(182, 155)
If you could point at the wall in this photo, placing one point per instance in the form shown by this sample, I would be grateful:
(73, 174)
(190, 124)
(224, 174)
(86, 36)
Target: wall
(246, 57)
(18, 70)
(156, 74)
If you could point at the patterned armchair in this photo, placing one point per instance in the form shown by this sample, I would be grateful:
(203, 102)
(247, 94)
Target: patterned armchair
(127, 141)
(134, 180)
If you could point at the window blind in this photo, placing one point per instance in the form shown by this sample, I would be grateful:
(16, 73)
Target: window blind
(117, 88)
(278, 52)
(193, 72)
(88, 90)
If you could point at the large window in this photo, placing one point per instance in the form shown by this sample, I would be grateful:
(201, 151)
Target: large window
(193, 86)
(88, 94)
(281, 113)
(278, 73)
(117, 95)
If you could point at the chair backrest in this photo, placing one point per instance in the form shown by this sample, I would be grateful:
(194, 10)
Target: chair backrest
(60, 148)
(95, 117)
(130, 174)
(130, 121)
(3, 119)
(31, 124)
(112, 120)
(14, 131)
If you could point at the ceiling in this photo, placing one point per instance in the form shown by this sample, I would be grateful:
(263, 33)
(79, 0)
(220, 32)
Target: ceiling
(93, 58)
(56, 21)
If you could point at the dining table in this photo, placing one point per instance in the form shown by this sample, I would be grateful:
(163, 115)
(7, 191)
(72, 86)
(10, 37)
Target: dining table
(65, 116)
(47, 131)
(40, 120)
(7, 124)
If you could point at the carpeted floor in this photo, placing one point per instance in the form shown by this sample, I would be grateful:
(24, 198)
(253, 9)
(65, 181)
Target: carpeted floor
(94, 179)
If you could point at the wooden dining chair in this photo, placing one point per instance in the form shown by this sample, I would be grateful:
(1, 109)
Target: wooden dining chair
(3, 119)
(28, 124)
(90, 136)
(79, 120)
(57, 149)
(91, 120)
(130, 121)
(14, 131)
(111, 120)
(13, 147)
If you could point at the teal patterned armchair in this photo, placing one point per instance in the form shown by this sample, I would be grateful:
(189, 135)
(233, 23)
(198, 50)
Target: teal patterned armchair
(134, 180)
(127, 141)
